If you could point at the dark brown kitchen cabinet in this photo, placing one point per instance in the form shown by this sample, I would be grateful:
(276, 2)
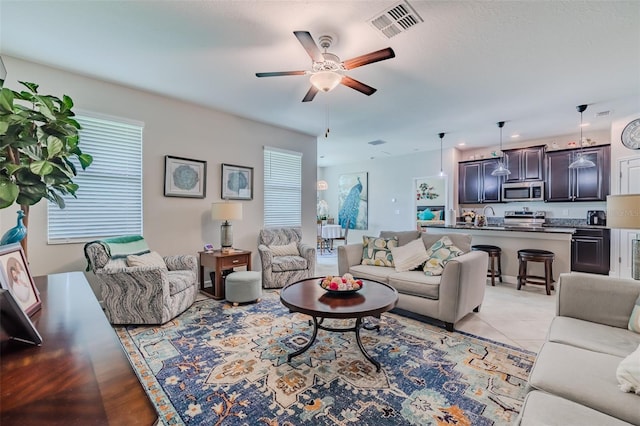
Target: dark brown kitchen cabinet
(589, 184)
(525, 164)
(590, 251)
(476, 185)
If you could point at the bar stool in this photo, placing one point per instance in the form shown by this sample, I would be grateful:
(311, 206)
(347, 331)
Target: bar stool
(535, 255)
(494, 253)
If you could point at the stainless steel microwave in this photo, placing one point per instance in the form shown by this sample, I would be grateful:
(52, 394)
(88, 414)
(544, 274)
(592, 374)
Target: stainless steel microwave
(523, 191)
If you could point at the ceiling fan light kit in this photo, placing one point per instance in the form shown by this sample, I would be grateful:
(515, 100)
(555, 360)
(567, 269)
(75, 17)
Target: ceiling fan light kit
(327, 70)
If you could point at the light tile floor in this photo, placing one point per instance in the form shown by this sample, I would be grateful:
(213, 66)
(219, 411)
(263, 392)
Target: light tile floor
(517, 318)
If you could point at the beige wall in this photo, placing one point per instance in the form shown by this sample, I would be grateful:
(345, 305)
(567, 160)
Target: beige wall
(171, 127)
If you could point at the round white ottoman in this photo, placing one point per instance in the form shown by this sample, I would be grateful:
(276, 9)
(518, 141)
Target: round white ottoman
(243, 286)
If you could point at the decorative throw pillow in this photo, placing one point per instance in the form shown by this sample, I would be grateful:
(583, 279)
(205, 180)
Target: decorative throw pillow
(290, 249)
(634, 320)
(426, 214)
(377, 251)
(628, 373)
(408, 256)
(441, 252)
(148, 259)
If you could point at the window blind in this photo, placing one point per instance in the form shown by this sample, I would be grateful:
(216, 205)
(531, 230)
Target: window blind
(109, 197)
(282, 187)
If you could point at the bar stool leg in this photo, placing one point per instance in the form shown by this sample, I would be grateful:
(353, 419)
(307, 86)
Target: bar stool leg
(499, 268)
(521, 273)
(548, 276)
(493, 270)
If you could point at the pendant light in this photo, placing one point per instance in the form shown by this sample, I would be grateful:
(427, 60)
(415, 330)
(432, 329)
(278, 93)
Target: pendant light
(501, 170)
(441, 174)
(581, 162)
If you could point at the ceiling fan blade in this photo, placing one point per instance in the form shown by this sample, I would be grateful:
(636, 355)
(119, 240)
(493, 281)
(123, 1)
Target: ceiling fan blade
(369, 58)
(310, 94)
(305, 39)
(279, 73)
(360, 87)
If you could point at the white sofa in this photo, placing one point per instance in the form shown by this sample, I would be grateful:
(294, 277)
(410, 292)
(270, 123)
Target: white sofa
(448, 298)
(573, 380)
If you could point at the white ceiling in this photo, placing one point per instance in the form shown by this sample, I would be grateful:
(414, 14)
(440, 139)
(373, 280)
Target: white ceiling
(467, 66)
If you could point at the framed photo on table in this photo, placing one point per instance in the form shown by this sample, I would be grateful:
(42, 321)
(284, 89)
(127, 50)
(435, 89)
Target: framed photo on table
(237, 182)
(184, 177)
(16, 277)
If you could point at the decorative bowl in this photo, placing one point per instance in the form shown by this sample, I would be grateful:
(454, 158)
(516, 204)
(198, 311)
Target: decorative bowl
(346, 284)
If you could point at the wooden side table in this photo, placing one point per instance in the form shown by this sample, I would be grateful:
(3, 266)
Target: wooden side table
(221, 262)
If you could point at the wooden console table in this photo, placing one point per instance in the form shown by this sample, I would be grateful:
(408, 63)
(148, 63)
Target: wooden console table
(221, 262)
(80, 375)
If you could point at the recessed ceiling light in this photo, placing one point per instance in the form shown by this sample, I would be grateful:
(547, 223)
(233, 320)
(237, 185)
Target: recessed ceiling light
(585, 124)
(461, 144)
(515, 135)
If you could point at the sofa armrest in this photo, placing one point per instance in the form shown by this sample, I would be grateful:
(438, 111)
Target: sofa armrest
(462, 285)
(596, 298)
(266, 257)
(349, 255)
(183, 262)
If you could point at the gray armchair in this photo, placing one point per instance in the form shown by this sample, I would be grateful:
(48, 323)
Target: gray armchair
(143, 294)
(277, 271)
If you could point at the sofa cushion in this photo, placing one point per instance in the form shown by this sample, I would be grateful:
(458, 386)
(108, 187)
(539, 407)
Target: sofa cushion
(290, 249)
(409, 256)
(585, 377)
(377, 251)
(462, 241)
(404, 237)
(152, 259)
(541, 408)
(439, 254)
(368, 272)
(593, 336)
(288, 263)
(628, 373)
(634, 320)
(416, 283)
(180, 281)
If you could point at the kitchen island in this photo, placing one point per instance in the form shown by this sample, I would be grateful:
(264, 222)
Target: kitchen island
(510, 240)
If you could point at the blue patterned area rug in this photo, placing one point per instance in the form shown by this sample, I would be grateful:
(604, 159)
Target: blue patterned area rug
(222, 365)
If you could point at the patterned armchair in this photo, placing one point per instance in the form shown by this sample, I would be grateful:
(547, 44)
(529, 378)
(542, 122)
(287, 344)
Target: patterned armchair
(143, 294)
(279, 270)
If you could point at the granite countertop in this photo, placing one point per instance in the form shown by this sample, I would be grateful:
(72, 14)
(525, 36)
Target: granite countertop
(567, 226)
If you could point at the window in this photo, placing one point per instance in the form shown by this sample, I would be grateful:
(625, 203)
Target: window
(109, 199)
(282, 187)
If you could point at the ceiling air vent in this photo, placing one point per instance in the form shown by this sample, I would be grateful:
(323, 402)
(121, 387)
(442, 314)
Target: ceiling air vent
(377, 142)
(396, 19)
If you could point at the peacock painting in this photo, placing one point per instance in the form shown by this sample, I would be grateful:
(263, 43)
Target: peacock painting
(352, 202)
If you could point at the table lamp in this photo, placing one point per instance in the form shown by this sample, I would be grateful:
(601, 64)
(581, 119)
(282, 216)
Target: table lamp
(226, 211)
(623, 212)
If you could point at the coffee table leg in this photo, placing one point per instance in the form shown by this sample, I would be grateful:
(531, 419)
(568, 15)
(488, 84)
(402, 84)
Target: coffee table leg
(362, 349)
(308, 345)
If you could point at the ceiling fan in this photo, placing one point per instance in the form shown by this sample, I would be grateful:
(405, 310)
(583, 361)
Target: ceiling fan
(327, 71)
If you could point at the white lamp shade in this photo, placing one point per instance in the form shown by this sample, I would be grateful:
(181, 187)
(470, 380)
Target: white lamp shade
(226, 211)
(623, 211)
(325, 80)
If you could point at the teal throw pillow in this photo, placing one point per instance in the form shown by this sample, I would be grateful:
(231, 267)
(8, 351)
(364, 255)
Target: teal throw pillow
(377, 251)
(441, 252)
(427, 214)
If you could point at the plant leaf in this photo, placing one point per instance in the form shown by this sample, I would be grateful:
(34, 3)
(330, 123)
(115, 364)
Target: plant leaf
(6, 101)
(41, 168)
(31, 86)
(8, 193)
(54, 146)
(85, 160)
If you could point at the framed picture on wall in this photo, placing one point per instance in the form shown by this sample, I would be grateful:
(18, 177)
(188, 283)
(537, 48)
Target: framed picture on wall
(184, 177)
(237, 182)
(16, 277)
(353, 200)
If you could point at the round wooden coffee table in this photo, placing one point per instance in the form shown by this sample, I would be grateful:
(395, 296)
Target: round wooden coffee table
(307, 297)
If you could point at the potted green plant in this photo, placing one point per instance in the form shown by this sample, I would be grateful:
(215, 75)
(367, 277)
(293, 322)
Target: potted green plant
(38, 139)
